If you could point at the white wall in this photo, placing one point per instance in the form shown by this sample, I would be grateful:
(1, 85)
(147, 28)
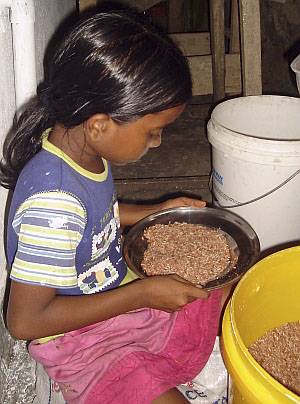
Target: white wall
(7, 108)
(48, 16)
(49, 13)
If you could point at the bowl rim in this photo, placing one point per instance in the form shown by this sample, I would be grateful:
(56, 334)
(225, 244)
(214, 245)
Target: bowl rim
(216, 212)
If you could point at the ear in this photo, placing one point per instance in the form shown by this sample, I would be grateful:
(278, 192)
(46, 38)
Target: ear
(97, 125)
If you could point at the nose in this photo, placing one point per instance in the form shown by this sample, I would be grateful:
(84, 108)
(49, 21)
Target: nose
(156, 140)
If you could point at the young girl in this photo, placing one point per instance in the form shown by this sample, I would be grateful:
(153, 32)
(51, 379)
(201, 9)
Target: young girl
(103, 336)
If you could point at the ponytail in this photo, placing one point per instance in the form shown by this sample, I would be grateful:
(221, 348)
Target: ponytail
(24, 140)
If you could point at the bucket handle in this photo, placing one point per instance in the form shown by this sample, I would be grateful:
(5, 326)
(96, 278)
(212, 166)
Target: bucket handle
(210, 186)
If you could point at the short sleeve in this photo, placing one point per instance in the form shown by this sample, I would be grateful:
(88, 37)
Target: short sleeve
(49, 227)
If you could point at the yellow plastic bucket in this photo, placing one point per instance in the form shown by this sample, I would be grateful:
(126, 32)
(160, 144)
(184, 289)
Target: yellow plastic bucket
(266, 297)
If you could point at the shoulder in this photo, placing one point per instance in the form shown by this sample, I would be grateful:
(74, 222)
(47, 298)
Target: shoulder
(55, 202)
(42, 171)
(50, 216)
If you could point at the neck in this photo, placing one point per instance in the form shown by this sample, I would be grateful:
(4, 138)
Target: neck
(73, 143)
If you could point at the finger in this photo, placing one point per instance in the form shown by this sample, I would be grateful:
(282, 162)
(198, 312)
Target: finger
(196, 290)
(186, 201)
(197, 203)
(199, 293)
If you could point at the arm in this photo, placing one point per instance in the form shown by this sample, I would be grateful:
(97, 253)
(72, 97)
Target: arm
(36, 311)
(131, 213)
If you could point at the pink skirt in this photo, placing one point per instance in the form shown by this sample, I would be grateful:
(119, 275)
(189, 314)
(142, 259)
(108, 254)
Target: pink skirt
(134, 357)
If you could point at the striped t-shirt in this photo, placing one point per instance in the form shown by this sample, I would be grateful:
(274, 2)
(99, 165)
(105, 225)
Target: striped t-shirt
(64, 228)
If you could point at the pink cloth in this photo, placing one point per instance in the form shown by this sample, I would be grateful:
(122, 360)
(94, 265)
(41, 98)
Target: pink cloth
(134, 357)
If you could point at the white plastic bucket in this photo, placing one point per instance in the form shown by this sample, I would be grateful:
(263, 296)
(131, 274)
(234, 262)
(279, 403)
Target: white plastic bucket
(256, 164)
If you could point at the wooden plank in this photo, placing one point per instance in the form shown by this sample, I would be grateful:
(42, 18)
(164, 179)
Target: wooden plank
(192, 44)
(234, 41)
(188, 16)
(200, 13)
(201, 74)
(217, 33)
(250, 46)
(233, 80)
(201, 68)
(176, 16)
(159, 188)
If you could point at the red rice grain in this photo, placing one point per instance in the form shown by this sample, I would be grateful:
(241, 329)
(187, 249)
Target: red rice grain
(195, 252)
(278, 352)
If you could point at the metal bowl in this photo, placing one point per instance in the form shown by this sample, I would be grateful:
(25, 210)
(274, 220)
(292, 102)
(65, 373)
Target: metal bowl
(242, 239)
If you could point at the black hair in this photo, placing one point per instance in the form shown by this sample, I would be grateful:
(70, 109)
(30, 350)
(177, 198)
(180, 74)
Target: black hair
(106, 63)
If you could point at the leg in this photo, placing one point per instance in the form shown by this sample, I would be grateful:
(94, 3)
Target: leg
(172, 396)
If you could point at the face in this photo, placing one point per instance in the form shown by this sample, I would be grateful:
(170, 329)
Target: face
(127, 143)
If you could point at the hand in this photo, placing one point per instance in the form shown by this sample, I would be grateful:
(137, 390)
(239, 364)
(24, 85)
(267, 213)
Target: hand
(170, 292)
(183, 201)
(131, 213)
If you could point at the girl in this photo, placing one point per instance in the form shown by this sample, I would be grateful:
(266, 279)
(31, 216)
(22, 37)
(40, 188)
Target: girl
(104, 337)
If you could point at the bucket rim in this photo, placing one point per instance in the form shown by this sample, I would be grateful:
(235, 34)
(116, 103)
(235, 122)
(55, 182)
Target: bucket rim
(245, 352)
(253, 148)
(263, 101)
(246, 98)
(260, 139)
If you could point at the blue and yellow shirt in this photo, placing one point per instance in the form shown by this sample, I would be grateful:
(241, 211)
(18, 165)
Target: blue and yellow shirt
(64, 228)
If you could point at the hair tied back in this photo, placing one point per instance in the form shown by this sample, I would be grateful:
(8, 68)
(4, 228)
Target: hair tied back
(43, 95)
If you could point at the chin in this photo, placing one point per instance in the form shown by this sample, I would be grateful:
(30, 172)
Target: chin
(129, 161)
(118, 163)
(125, 162)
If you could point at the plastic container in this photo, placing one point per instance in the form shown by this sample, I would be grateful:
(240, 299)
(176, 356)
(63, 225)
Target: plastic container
(266, 297)
(295, 66)
(256, 164)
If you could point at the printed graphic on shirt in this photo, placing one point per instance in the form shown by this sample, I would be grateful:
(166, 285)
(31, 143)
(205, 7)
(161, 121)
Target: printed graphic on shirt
(101, 272)
(116, 214)
(102, 241)
(98, 277)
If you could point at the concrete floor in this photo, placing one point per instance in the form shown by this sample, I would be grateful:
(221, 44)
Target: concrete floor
(181, 165)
